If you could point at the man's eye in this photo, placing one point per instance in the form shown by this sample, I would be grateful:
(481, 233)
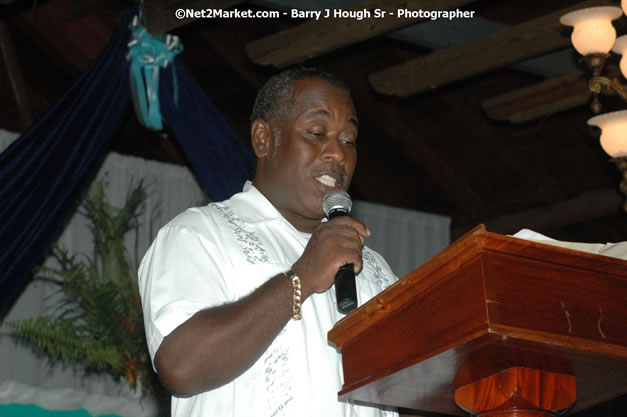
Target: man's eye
(348, 140)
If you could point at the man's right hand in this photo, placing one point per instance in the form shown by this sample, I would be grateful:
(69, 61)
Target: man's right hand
(332, 245)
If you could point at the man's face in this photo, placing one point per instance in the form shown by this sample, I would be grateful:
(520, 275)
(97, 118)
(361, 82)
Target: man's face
(317, 152)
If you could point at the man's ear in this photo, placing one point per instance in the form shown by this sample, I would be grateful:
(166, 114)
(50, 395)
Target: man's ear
(262, 138)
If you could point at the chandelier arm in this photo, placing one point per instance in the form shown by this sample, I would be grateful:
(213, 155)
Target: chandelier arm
(603, 85)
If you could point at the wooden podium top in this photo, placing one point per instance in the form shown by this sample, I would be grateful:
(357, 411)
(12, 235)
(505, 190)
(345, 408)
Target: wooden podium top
(486, 303)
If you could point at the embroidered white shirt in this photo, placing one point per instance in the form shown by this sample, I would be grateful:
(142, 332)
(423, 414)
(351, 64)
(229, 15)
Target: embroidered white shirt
(217, 254)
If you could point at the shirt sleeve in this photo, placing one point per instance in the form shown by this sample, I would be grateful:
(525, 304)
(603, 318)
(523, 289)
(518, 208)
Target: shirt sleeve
(181, 274)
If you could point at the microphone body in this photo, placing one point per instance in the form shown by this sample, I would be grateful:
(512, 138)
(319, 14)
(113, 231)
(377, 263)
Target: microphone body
(335, 204)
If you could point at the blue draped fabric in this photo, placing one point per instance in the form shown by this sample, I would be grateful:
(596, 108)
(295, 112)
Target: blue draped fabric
(44, 172)
(218, 156)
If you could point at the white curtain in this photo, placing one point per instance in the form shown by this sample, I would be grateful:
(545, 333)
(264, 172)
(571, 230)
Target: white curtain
(406, 238)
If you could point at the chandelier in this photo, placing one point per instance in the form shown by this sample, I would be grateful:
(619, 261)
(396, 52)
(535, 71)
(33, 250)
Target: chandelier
(594, 37)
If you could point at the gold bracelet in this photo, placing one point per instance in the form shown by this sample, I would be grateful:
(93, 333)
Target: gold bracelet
(296, 295)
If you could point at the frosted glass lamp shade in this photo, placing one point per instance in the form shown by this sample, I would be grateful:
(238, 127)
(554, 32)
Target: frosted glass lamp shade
(620, 47)
(623, 5)
(593, 33)
(613, 132)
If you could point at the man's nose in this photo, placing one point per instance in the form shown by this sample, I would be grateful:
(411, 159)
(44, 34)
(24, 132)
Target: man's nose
(333, 150)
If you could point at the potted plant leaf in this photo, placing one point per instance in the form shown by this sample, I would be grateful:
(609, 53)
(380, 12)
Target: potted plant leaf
(98, 321)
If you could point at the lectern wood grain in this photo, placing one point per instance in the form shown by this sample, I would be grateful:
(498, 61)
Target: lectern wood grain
(517, 303)
(506, 393)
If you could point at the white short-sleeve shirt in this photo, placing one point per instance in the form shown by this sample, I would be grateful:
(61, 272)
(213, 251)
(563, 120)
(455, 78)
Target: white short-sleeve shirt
(219, 253)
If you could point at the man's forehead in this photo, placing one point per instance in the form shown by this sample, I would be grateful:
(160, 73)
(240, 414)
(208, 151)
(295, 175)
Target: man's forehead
(313, 93)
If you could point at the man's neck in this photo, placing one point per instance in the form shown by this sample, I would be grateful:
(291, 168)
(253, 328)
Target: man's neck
(302, 224)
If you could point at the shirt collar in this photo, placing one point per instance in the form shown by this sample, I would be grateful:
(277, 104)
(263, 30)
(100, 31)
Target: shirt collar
(252, 206)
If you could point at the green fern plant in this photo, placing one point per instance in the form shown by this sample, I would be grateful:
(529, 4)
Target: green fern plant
(98, 323)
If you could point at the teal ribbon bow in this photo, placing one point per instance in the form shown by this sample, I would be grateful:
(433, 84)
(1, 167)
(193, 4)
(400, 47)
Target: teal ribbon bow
(147, 54)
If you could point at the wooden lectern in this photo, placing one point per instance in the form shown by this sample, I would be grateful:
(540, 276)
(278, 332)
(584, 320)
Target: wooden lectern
(494, 326)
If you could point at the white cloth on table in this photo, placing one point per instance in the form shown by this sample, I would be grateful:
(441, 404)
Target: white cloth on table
(614, 250)
(219, 253)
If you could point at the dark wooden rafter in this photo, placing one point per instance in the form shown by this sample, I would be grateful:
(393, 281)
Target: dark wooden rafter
(72, 41)
(318, 37)
(482, 129)
(506, 47)
(223, 47)
(14, 78)
(455, 186)
(160, 15)
(406, 138)
(542, 99)
(586, 206)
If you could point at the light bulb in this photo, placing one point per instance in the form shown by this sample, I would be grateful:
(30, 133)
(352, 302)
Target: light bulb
(593, 31)
(620, 47)
(613, 132)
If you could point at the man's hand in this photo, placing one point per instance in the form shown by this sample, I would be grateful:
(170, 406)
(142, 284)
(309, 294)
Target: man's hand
(332, 245)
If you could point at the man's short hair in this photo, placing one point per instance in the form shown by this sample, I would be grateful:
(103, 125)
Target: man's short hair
(276, 96)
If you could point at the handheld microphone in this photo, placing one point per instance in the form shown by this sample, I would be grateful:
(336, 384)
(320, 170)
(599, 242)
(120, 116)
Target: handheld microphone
(338, 203)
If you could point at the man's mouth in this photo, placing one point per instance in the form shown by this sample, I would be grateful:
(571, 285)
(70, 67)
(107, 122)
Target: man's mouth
(327, 180)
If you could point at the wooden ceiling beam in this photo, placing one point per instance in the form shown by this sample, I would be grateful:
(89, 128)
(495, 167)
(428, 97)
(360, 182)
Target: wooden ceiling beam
(542, 99)
(482, 129)
(452, 183)
(506, 47)
(586, 206)
(72, 41)
(161, 16)
(318, 37)
(232, 54)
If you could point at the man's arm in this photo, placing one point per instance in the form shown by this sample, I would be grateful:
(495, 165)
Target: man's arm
(218, 344)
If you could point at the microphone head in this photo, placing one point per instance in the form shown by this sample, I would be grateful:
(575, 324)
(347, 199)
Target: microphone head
(336, 200)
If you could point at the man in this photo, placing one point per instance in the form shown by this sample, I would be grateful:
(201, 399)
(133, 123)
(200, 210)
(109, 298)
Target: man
(238, 295)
